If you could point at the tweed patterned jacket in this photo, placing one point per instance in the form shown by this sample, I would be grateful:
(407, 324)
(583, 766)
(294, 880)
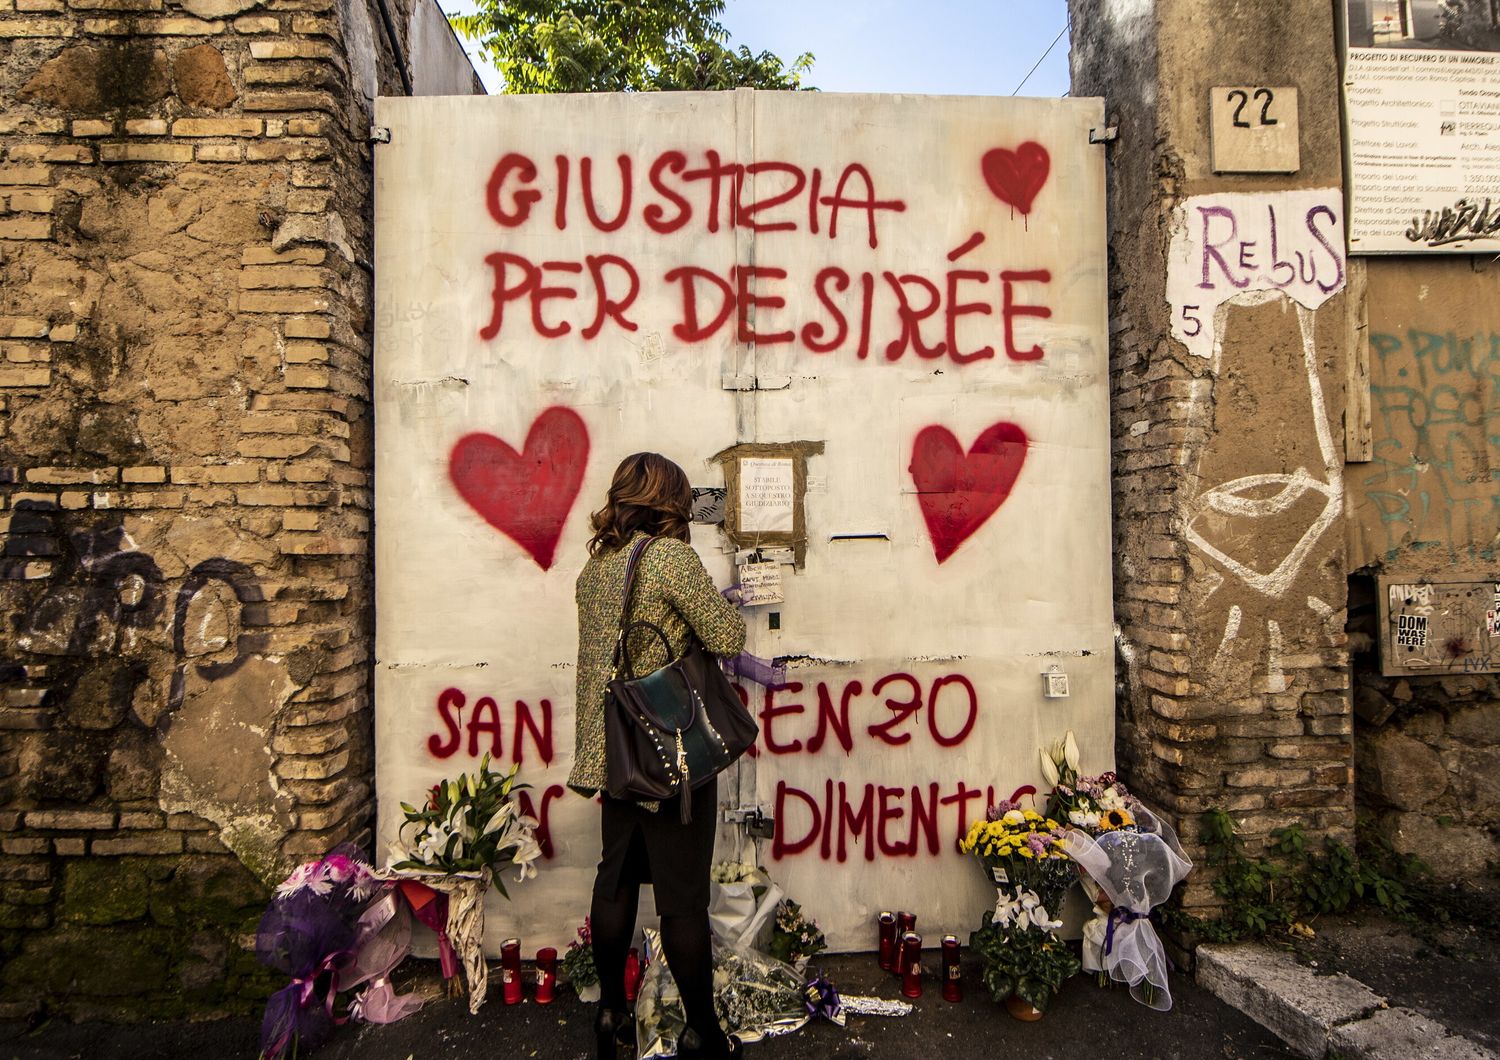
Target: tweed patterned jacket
(672, 591)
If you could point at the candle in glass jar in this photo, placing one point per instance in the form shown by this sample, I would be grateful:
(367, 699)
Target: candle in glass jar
(546, 975)
(510, 970)
(887, 940)
(953, 986)
(911, 964)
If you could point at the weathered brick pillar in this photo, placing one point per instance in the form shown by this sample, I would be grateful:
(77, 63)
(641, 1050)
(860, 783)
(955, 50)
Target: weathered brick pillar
(185, 496)
(1230, 603)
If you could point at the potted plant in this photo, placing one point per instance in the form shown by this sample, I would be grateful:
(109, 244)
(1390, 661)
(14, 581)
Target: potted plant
(1024, 962)
(578, 964)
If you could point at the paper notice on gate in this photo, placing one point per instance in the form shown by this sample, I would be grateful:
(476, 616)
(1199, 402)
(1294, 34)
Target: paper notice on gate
(760, 583)
(766, 495)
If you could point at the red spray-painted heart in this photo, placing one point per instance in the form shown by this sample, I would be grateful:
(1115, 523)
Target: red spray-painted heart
(1016, 176)
(525, 495)
(958, 491)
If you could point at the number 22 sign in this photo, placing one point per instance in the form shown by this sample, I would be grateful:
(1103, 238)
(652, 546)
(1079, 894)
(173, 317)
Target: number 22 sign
(1254, 129)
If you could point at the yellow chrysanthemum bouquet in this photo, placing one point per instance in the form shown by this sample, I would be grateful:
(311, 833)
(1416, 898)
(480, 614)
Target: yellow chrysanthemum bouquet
(1022, 851)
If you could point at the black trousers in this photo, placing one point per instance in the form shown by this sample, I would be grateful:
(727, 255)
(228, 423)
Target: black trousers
(640, 846)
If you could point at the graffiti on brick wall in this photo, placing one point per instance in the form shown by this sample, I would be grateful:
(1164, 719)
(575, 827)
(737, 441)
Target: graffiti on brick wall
(1231, 253)
(189, 727)
(1228, 245)
(1431, 486)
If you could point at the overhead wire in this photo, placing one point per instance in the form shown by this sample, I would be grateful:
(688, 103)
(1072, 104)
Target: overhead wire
(1066, 24)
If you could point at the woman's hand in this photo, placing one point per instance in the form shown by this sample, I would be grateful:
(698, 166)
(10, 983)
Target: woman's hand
(753, 668)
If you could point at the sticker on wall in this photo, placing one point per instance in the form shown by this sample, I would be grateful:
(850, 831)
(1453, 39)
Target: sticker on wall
(1411, 631)
(708, 505)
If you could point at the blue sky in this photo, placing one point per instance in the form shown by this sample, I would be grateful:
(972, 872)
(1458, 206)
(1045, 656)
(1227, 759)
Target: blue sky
(977, 47)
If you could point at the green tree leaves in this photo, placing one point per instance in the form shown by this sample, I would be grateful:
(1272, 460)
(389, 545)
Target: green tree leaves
(620, 46)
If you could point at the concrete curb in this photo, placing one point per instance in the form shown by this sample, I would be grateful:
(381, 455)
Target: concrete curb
(1321, 1016)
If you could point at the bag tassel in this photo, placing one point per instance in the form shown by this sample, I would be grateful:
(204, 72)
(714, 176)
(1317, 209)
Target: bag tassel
(684, 784)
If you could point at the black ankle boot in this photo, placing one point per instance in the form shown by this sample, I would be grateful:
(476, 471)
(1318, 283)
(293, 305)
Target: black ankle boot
(691, 1047)
(611, 1027)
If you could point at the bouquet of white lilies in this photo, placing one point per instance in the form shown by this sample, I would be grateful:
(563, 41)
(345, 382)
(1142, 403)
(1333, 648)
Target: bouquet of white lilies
(469, 824)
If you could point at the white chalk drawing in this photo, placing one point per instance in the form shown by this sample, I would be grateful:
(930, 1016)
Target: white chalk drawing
(1229, 245)
(1231, 630)
(1269, 494)
(1239, 497)
(1275, 676)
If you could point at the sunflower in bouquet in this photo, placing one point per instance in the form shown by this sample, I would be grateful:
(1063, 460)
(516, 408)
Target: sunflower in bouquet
(1093, 804)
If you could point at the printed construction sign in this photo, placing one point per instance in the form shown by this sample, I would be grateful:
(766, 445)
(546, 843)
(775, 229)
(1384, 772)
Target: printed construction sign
(1422, 103)
(904, 294)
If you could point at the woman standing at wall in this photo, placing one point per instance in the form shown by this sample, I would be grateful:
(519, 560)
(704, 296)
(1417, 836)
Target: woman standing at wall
(647, 842)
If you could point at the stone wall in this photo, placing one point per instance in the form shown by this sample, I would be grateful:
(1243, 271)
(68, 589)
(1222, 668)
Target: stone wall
(1426, 508)
(1234, 688)
(185, 460)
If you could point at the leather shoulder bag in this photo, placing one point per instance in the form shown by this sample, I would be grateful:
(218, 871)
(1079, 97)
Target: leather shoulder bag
(675, 728)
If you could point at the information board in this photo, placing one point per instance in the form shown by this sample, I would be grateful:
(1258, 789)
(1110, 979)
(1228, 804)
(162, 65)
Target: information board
(1422, 114)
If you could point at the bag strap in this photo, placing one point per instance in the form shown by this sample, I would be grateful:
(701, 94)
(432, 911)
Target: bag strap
(627, 670)
(631, 565)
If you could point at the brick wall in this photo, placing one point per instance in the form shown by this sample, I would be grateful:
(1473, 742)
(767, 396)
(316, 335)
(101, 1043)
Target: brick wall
(185, 496)
(1229, 696)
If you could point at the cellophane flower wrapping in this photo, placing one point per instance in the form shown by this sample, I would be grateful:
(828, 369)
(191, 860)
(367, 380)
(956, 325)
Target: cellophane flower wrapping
(756, 997)
(742, 900)
(308, 933)
(382, 941)
(1136, 869)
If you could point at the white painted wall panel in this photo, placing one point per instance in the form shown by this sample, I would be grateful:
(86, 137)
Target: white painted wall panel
(462, 605)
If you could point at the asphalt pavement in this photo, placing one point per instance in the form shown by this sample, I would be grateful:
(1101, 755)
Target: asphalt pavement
(1085, 1020)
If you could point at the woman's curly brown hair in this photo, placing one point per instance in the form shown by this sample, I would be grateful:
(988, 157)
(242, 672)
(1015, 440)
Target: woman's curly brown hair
(648, 493)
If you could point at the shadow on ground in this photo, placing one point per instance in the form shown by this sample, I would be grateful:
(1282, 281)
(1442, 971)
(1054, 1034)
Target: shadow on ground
(1085, 1020)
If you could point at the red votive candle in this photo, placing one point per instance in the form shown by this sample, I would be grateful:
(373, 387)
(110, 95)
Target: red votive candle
(911, 964)
(632, 974)
(953, 976)
(887, 940)
(510, 970)
(546, 975)
(905, 922)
